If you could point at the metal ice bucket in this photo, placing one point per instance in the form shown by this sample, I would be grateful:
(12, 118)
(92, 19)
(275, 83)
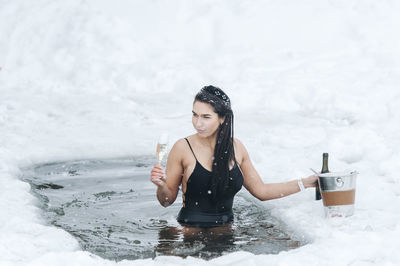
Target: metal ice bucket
(338, 193)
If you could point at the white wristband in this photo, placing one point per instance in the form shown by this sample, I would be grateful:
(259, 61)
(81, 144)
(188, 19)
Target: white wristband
(301, 185)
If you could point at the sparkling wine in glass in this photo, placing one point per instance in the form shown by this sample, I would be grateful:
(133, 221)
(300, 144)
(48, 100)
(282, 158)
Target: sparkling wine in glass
(162, 147)
(162, 150)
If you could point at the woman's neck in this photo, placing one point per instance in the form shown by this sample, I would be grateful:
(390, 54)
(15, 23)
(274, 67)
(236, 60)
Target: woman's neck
(208, 142)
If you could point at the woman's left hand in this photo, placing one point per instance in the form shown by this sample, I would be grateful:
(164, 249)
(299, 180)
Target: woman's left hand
(310, 181)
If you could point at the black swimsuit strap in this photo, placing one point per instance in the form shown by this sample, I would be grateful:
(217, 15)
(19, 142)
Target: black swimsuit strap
(191, 149)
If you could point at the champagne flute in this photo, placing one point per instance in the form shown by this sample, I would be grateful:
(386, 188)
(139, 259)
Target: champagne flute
(162, 148)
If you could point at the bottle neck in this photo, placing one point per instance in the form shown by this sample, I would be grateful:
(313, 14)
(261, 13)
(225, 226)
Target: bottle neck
(325, 168)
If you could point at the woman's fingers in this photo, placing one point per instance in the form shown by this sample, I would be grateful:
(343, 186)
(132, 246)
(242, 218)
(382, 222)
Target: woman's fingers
(158, 182)
(310, 181)
(157, 169)
(157, 175)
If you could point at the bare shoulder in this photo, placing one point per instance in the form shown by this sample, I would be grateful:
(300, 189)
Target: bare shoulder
(179, 153)
(240, 150)
(179, 145)
(238, 144)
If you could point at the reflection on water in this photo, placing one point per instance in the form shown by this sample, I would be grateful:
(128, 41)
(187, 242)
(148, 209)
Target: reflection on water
(111, 208)
(199, 242)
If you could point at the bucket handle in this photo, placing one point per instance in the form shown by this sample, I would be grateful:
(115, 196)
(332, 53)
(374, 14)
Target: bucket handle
(339, 182)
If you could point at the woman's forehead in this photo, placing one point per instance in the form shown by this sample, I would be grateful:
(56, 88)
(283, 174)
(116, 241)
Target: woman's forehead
(201, 108)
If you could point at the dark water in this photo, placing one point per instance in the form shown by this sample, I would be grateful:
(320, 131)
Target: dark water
(111, 208)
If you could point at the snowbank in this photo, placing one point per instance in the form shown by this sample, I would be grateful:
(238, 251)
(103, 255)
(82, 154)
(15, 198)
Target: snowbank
(84, 79)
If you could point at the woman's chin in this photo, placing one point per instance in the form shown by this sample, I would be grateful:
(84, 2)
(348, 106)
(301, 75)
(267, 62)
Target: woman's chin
(202, 135)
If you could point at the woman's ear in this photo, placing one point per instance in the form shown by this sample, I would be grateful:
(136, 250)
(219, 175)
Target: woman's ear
(221, 120)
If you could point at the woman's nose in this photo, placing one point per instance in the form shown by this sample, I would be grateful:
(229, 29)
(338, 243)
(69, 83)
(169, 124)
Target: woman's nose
(199, 122)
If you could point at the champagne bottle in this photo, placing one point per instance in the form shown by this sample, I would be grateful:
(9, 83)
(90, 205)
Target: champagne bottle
(324, 169)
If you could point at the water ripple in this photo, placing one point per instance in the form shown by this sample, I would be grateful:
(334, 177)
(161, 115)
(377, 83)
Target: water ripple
(111, 208)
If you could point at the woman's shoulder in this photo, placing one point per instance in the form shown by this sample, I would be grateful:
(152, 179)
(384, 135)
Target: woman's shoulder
(179, 150)
(181, 144)
(238, 143)
(240, 150)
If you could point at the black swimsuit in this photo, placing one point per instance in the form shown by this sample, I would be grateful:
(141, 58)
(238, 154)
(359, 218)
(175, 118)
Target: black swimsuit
(199, 209)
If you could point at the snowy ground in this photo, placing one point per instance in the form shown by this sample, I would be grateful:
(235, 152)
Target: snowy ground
(91, 79)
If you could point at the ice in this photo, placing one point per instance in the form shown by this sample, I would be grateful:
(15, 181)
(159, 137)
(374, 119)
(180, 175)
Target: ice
(102, 79)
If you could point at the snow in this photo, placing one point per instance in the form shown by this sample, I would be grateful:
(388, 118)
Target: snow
(102, 79)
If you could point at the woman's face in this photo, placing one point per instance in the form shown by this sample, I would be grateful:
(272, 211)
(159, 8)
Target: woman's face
(205, 120)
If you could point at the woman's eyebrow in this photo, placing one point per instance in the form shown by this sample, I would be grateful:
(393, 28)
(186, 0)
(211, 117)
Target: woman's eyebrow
(202, 114)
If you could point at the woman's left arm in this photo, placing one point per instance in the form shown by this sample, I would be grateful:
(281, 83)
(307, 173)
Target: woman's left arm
(254, 184)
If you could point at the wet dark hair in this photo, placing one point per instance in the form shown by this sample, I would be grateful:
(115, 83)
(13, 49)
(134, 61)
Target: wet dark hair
(224, 151)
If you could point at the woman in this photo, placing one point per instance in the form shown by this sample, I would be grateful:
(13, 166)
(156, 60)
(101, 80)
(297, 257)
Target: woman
(212, 166)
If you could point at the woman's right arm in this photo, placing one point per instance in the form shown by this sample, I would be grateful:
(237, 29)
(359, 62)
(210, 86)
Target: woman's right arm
(168, 184)
(254, 184)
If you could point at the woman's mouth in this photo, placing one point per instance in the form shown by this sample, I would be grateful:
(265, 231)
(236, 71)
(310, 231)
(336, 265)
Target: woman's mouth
(200, 131)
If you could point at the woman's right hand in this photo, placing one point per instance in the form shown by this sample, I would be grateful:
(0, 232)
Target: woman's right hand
(157, 175)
